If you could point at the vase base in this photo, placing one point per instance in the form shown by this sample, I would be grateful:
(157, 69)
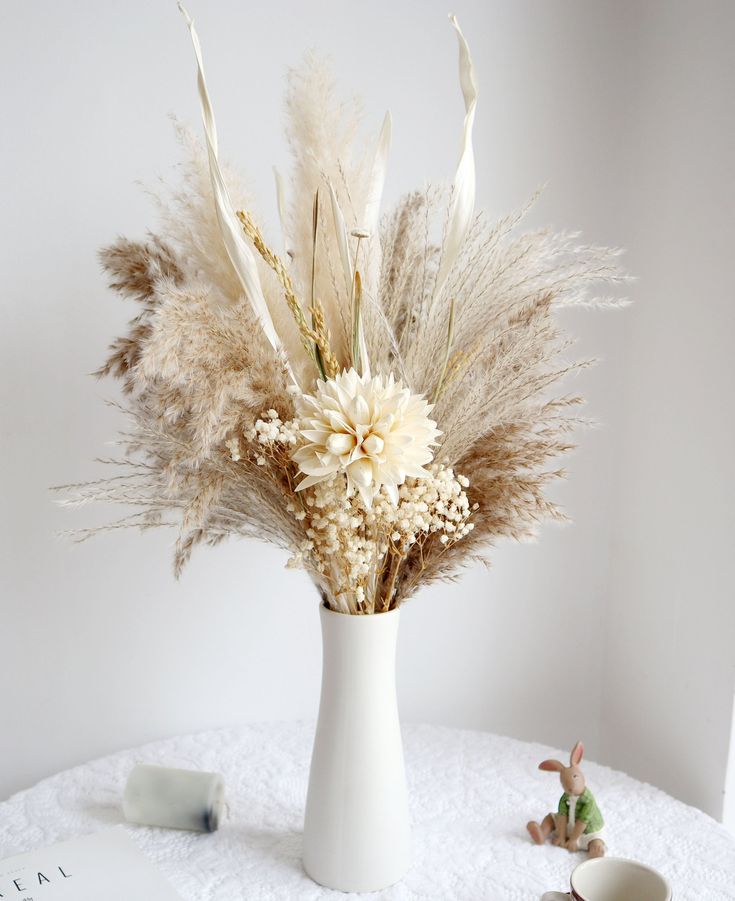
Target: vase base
(341, 882)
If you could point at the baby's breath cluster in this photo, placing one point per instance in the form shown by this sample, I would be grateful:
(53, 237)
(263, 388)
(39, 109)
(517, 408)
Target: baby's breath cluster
(265, 434)
(357, 550)
(272, 430)
(354, 550)
(435, 503)
(340, 548)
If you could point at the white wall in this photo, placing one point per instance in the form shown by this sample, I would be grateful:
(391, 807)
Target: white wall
(670, 622)
(100, 647)
(728, 801)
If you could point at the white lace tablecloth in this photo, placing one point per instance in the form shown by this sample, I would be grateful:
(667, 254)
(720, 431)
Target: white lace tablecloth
(471, 796)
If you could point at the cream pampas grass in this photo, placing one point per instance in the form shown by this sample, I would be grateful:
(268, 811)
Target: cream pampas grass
(383, 399)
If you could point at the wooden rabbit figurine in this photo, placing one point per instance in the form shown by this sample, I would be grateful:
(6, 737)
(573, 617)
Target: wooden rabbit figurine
(578, 824)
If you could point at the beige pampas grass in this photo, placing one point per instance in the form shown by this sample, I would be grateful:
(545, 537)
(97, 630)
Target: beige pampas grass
(211, 404)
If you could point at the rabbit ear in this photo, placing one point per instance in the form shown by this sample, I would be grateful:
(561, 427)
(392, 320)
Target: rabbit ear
(551, 766)
(575, 758)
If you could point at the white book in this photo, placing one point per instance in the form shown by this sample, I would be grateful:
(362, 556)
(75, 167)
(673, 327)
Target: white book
(106, 866)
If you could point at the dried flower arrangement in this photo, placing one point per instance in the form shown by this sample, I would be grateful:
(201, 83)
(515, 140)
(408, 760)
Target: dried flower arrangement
(376, 400)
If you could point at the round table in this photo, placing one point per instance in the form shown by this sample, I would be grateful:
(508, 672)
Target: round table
(471, 796)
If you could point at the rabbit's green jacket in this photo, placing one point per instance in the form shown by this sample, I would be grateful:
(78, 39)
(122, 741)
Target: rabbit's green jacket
(587, 810)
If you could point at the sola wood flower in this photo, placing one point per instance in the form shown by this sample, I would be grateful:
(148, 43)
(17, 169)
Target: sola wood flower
(374, 430)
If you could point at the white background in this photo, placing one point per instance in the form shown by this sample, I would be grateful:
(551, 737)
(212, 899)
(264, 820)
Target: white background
(619, 629)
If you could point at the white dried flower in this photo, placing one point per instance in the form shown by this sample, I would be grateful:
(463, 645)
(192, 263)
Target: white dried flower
(273, 431)
(374, 430)
(233, 446)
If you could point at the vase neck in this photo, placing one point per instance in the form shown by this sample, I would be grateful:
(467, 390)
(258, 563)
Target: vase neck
(359, 652)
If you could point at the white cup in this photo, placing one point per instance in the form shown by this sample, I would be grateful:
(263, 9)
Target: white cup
(614, 879)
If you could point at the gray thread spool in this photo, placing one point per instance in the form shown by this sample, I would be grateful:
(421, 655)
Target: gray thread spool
(176, 799)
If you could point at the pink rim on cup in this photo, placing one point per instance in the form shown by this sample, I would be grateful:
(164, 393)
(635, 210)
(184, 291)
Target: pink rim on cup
(616, 879)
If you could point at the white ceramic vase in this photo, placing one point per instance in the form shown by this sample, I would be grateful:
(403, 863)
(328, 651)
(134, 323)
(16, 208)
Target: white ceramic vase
(356, 827)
